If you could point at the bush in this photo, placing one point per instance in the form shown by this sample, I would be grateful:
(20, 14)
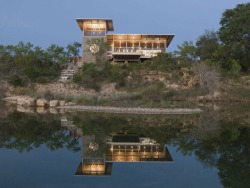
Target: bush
(153, 92)
(235, 68)
(91, 75)
(163, 62)
(16, 81)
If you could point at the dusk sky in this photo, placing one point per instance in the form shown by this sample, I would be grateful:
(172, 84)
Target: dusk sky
(47, 22)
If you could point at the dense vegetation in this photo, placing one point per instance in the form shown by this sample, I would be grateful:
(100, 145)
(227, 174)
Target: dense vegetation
(228, 48)
(24, 62)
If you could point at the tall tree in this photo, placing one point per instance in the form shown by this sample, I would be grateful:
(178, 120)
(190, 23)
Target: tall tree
(187, 52)
(235, 33)
(56, 54)
(207, 45)
(73, 49)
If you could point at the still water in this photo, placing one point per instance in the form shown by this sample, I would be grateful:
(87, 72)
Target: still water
(211, 149)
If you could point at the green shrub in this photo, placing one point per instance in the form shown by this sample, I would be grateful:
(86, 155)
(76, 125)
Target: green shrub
(162, 62)
(153, 92)
(159, 85)
(235, 68)
(92, 75)
(170, 94)
(16, 81)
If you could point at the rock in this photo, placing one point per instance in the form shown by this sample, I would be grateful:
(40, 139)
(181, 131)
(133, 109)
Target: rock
(42, 102)
(200, 98)
(62, 103)
(25, 109)
(216, 107)
(70, 104)
(41, 110)
(53, 111)
(193, 81)
(53, 103)
(216, 94)
(174, 86)
(11, 99)
(62, 111)
(26, 101)
(209, 97)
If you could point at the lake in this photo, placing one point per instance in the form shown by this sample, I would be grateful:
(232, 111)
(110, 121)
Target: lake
(210, 149)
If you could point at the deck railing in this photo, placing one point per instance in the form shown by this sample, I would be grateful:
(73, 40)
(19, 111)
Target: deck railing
(127, 50)
(145, 52)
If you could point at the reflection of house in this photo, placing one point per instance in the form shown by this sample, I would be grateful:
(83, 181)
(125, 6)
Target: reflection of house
(132, 148)
(122, 47)
(121, 148)
(94, 167)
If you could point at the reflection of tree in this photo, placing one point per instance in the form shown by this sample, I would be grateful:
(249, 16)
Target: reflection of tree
(228, 150)
(234, 163)
(160, 128)
(25, 132)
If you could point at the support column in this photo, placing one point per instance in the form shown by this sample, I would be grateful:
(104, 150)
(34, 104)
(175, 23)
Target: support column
(126, 38)
(165, 45)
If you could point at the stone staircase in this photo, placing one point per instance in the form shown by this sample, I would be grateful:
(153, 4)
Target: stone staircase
(68, 73)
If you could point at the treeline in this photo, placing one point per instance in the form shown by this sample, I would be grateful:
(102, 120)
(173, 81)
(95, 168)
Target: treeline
(24, 62)
(228, 48)
(25, 132)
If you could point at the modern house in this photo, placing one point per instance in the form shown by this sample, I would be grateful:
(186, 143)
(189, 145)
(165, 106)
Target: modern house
(121, 47)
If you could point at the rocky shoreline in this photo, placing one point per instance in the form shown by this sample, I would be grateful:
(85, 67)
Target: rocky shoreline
(136, 110)
(28, 104)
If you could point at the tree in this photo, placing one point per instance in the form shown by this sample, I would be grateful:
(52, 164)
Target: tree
(234, 33)
(208, 76)
(56, 54)
(23, 49)
(187, 52)
(207, 45)
(73, 49)
(6, 60)
(162, 62)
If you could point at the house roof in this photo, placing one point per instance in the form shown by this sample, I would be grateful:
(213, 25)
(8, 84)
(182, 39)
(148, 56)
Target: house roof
(167, 37)
(109, 22)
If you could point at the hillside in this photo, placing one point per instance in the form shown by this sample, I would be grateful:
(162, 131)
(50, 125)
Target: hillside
(141, 88)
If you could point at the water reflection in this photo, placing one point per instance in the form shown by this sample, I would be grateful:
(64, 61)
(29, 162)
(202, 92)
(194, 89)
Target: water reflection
(122, 147)
(100, 151)
(217, 139)
(26, 132)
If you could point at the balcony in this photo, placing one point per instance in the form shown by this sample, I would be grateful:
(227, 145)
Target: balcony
(132, 53)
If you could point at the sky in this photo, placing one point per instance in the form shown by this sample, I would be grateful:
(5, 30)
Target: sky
(46, 22)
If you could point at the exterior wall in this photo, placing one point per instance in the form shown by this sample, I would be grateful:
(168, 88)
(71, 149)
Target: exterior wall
(87, 55)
